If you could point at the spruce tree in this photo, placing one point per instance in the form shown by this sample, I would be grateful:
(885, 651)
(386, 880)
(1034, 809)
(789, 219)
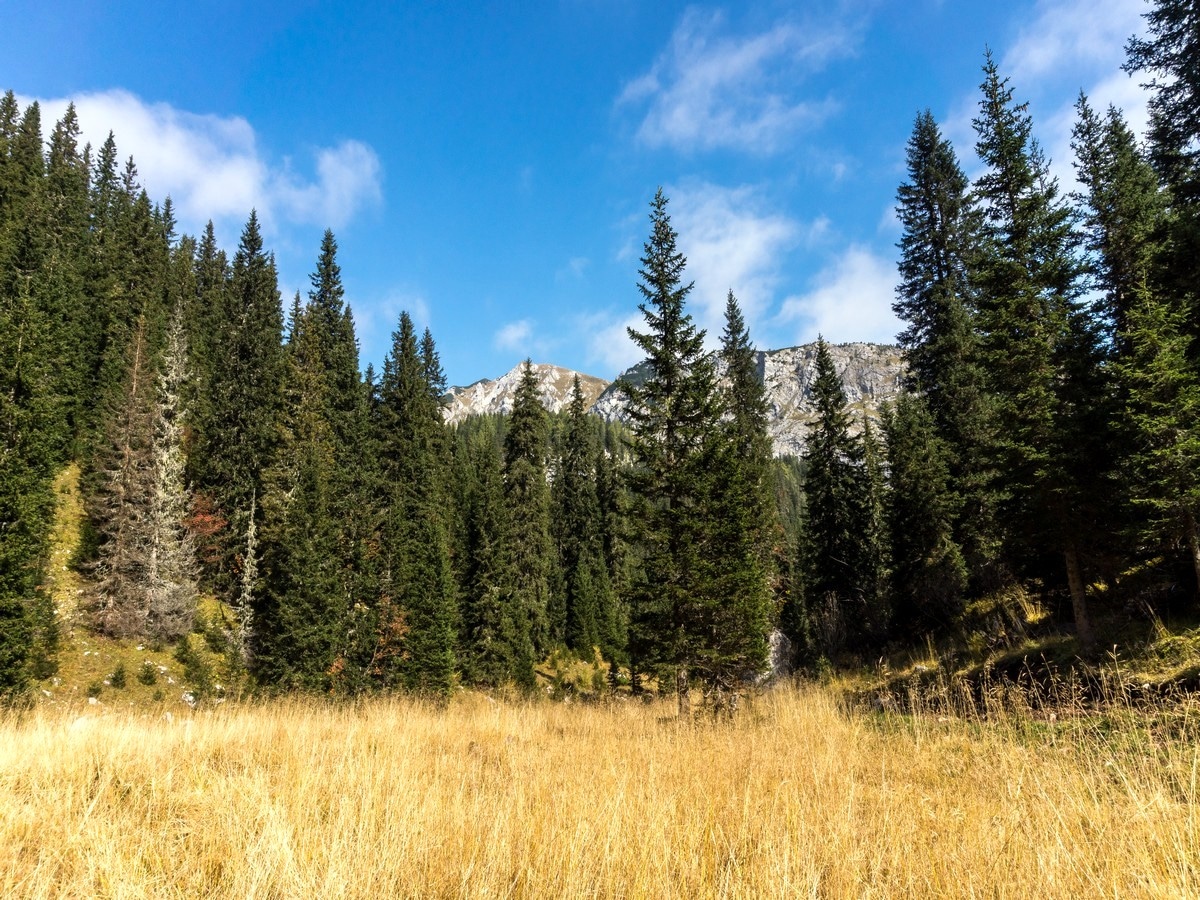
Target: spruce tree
(28, 448)
(746, 526)
(1042, 350)
(935, 297)
(1170, 55)
(1123, 215)
(416, 579)
(1027, 279)
(837, 561)
(497, 647)
(929, 575)
(674, 416)
(236, 444)
(302, 609)
(121, 509)
(589, 601)
(527, 497)
(171, 590)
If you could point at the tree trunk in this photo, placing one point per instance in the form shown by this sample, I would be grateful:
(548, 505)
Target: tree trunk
(1083, 624)
(1194, 546)
(682, 692)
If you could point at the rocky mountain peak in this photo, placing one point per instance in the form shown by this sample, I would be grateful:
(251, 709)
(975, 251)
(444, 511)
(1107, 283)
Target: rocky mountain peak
(871, 375)
(497, 396)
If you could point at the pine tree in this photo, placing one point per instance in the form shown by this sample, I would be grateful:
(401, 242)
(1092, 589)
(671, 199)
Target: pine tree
(527, 497)
(589, 600)
(1123, 214)
(936, 299)
(929, 576)
(1042, 350)
(236, 444)
(1027, 279)
(171, 590)
(27, 447)
(837, 564)
(497, 647)
(1170, 55)
(1161, 394)
(122, 507)
(745, 522)
(416, 577)
(674, 417)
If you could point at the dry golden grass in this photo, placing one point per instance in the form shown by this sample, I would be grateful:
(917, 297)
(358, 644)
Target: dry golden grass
(393, 798)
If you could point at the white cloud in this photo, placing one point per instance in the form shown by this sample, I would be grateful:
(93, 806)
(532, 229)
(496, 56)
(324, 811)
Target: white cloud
(609, 344)
(515, 336)
(1065, 33)
(732, 241)
(1082, 40)
(1069, 45)
(213, 167)
(851, 300)
(574, 270)
(707, 91)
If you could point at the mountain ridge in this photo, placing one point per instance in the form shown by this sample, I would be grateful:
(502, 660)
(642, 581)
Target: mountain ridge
(871, 375)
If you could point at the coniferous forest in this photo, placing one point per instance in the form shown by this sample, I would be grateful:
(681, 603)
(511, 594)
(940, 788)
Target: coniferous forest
(1045, 453)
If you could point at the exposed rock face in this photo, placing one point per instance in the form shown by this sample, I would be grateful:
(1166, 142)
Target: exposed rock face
(497, 396)
(871, 374)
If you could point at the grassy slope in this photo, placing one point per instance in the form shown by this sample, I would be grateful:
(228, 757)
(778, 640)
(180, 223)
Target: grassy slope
(87, 661)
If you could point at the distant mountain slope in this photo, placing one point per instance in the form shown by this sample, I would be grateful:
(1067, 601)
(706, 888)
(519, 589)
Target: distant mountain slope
(871, 374)
(496, 396)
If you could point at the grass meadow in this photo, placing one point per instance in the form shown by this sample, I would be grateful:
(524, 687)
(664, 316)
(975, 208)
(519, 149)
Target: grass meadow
(797, 796)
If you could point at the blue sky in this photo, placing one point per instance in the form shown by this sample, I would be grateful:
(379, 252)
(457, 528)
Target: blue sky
(489, 166)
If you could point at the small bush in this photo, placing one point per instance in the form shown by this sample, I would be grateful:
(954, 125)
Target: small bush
(197, 670)
(147, 674)
(117, 678)
(94, 689)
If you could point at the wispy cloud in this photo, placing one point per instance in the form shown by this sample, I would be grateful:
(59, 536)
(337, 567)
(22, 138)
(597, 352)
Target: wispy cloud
(734, 241)
(850, 300)
(515, 336)
(213, 167)
(708, 90)
(1068, 46)
(1074, 45)
(1065, 33)
(608, 342)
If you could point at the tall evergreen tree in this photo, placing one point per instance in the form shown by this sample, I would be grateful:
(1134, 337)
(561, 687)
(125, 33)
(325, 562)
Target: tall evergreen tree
(940, 343)
(745, 522)
(1170, 55)
(527, 496)
(236, 444)
(171, 590)
(1123, 215)
(1027, 281)
(674, 416)
(122, 507)
(837, 561)
(591, 619)
(1042, 352)
(497, 647)
(929, 576)
(28, 454)
(303, 607)
(416, 577)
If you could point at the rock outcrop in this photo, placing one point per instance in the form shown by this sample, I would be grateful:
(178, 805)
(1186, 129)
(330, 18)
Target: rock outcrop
(871, 374)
